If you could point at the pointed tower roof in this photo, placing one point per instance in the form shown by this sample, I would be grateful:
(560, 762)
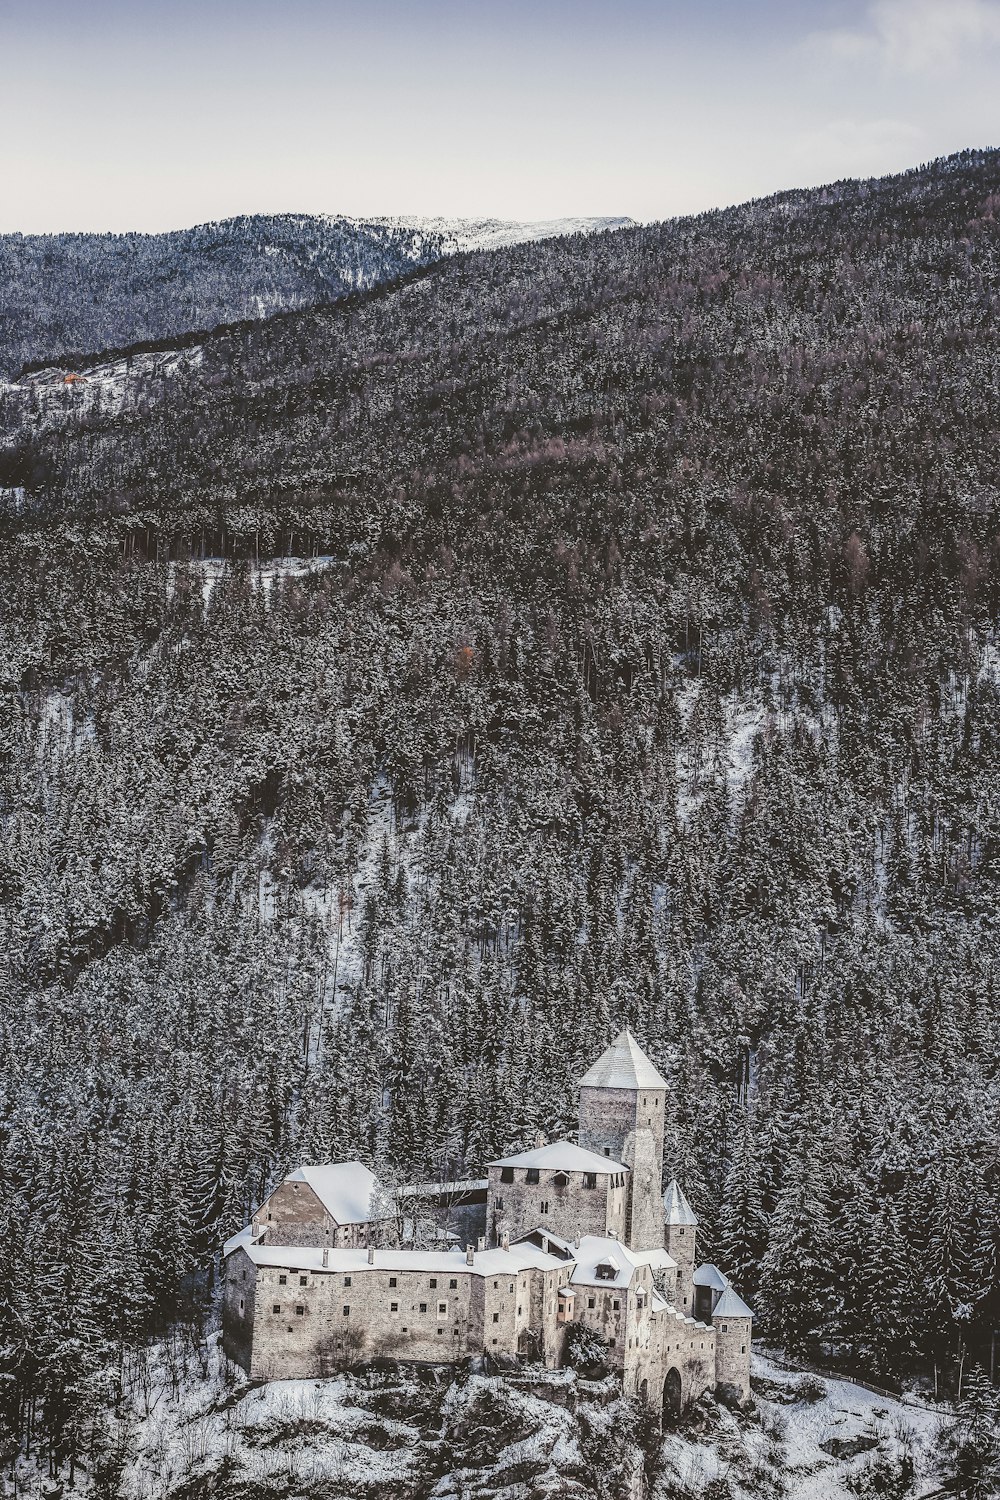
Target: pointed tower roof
(623, 1066)
(676, 1209)
(731, 1305)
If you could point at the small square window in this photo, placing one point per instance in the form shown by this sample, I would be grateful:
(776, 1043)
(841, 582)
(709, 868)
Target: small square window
(616, 1305)
(434, 1282)
(506, 1174)
(423, 1307)
(442, 1307)
(347, 1281)
(347, 1310)
(276, 1308)
(300, 1311)
(303, 1281)
(394, 1307)
(453, 1286)
(494, 1341)
(440, 1331)
(404, 1328)
(532, 1176)
(282, 1280)
(392, 1281)
(496, 1317)
(591, 1302)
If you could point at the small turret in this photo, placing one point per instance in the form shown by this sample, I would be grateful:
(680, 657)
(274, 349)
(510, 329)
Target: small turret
(733, 1322)
(680, 1230)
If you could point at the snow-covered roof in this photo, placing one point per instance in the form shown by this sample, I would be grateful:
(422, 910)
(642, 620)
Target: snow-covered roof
(595, 1250)
(731, 1305)
(436, 1262)
(623, 1066)
(344, 1188)
(245, 1237)
(709, 1275)
(562, 1156)
(677, 1210)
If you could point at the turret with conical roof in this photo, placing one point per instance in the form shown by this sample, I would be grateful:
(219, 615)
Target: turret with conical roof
(622, 1101)
(680, 1229)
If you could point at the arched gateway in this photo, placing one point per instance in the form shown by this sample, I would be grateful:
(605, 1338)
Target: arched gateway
(672, 1395)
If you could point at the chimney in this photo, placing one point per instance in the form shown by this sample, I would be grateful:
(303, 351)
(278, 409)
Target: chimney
(545, 1244)
(540, 1140)
(371, 1255)
(255, 1228)
(505, 1240)
(326, 1259)
(481, 1242)
(470, 1255)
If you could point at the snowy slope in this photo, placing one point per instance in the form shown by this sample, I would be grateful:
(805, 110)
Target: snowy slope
(494, 234)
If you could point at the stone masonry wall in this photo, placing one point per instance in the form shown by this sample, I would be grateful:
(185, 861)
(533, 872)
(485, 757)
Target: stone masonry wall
(732, 1354)
(572, 1210)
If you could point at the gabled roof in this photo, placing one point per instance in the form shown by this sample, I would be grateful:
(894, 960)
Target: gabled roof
(623, 1066)
(677, 1210)
(596, 1250)
(731, 1305)
(709, 1275)
(344, 1188)
(562, 1156)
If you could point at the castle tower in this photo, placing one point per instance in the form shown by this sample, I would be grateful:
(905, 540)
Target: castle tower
(680, 1230)
(733, 1324)
(622, 1101)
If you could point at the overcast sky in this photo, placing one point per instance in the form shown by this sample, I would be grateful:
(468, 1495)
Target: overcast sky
(156, 114)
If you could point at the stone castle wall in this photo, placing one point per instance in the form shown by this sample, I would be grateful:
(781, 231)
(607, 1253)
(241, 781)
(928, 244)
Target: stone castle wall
(568, 1211)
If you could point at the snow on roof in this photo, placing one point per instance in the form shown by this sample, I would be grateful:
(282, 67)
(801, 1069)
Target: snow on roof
(594, 1250)
(245, 1237)
(442, 1262)
(623, 1066)
(546, 1237)
(344, 1188)
(731, 1305)
(677, 1210)
(709, 1275)
(562, 1156)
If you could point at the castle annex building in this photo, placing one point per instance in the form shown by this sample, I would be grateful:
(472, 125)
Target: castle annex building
(576, 1234)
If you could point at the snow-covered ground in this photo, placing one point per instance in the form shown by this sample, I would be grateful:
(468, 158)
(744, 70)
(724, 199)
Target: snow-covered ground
(494, 234)
(197, 1427)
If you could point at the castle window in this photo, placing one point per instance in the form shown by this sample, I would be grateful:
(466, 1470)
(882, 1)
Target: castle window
(405, 1329)
(443, 1308)
(531, 1176)
(347, 1281)
(607, 1150)
(613, 1343)
(434, 1282)
(496, 1317)
(500, 1205)
(347, 1310)
(506, 1174)
(282, 1280)
(241, 1304)
(591, 1302)
(545, 1205)
(561, 1180)
(725, 1327)
(394, 1307)
(300, 1311)
(743, 1348)
(440, 1331)
(616, 1305)
(453, 1286)
(423, 1307)
(303, 1281)
(494, 1341)
(276, 1308)
(454, 1333)
(392, 1281)
(590, 1179)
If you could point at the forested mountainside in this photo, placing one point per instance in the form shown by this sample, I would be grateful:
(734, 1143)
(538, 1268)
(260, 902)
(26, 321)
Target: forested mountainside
(646, 669)
(63, 296)
(66, 294)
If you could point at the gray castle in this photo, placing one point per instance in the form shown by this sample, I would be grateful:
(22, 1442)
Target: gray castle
(575, 1234)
